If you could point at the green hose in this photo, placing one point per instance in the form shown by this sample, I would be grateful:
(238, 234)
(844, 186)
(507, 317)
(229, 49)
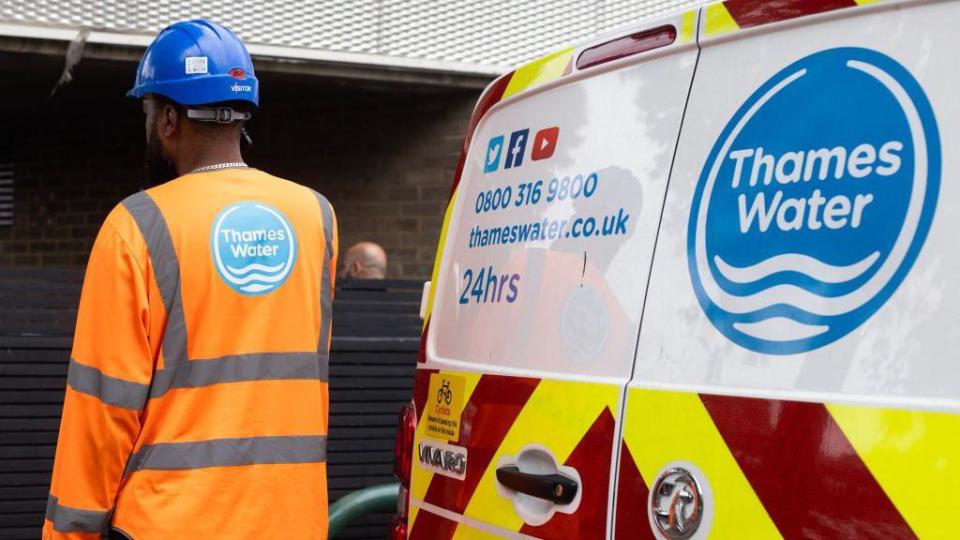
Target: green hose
(369, 500)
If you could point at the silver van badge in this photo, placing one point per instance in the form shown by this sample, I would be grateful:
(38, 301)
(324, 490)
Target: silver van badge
(676, 504)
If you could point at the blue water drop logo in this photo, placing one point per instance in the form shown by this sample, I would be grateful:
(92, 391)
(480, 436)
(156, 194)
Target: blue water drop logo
(814, 201)
(254, 247)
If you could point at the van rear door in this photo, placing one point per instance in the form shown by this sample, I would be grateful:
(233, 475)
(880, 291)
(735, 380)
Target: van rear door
(797, 368)
(538, 291)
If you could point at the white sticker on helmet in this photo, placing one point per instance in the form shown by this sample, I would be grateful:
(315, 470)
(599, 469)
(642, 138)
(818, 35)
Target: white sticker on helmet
(196, 64)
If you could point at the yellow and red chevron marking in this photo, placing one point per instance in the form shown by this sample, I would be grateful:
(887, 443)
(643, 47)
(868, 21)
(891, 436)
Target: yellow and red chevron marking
(540, 72)
(729, 16)
(792, 469)
(502, 415)
(688, 25)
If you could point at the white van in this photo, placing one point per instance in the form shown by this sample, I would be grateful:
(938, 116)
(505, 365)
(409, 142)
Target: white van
(702, 279)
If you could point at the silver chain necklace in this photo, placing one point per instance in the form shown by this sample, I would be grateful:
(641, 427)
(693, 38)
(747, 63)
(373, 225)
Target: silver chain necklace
(218, 166)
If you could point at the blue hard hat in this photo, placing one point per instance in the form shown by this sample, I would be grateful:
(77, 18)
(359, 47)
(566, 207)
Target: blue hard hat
(197, 63)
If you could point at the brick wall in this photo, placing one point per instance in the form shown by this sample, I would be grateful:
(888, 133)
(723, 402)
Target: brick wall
(385, 162)
(383, 156)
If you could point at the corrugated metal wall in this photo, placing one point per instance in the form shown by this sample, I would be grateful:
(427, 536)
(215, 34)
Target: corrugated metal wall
(501, 33)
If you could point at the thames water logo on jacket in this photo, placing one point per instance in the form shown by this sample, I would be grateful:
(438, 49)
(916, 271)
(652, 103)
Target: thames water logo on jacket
(254, 247)
(814, 202)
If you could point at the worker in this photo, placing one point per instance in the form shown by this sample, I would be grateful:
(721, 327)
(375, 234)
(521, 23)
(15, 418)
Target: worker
(365, 260)
(196, 402)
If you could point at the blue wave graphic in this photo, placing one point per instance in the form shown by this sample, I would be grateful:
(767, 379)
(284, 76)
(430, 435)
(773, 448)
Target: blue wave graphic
(806, 265)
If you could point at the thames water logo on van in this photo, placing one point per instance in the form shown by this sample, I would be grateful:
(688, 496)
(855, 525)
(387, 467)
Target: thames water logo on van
(254, 247)
(814, 201)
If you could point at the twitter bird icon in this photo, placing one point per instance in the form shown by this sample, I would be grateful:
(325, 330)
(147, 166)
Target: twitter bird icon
(494, 149)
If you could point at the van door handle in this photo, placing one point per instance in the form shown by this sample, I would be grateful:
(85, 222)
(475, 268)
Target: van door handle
(556, 488)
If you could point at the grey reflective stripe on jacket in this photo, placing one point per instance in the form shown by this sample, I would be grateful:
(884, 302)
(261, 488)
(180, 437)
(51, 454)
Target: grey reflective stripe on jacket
(229, 452)
(234, 368)
(326, 284)
(238, 368)
(166, 270)
(67, 519)
(110, 390)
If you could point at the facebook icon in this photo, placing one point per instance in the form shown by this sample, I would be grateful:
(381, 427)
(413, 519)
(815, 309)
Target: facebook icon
(492, 159)
(518, 144)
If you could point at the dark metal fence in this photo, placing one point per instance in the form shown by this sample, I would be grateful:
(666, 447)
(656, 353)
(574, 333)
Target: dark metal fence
(373, 359)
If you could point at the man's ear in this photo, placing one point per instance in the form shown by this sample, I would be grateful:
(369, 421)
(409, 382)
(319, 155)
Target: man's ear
(169, 121)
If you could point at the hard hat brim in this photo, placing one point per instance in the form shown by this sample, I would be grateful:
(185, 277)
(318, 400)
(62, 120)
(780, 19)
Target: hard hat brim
(203, 90)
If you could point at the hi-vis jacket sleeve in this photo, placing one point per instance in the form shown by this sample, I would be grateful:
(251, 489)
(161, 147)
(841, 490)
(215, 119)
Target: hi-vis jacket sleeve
(108, 381)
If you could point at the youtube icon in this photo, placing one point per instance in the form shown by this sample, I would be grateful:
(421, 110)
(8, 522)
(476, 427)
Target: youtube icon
(545, 143)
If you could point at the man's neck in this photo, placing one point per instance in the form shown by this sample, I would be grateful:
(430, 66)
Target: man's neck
(205, 157)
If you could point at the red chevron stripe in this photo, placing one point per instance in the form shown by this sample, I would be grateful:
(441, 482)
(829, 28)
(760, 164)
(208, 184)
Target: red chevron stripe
(749, 13)
(632, 492)
(429, 526)
(804, 470)
(487, 417)
(591, 458)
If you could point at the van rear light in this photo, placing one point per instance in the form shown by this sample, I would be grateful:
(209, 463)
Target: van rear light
(398, 529)
(627, 46)
(402, 462)
(403, 446)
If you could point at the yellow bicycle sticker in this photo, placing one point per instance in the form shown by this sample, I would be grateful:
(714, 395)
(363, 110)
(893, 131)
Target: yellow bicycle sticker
(444, 406)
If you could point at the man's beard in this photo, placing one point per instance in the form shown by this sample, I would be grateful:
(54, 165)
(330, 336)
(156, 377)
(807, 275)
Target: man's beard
(157, 166)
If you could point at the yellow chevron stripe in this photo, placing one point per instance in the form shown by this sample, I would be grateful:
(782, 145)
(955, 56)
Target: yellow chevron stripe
(662, 427)
(557, 416)
(915, 457)
(539, 72)
(687, 26)
(412, 512)
(865, 2)
(439, 257)
(419, 477)
(718, 20)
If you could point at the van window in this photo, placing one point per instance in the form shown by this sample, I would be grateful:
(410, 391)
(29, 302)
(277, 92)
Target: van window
(552, 232)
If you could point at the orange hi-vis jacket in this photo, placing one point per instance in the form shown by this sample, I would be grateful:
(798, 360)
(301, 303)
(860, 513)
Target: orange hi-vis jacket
(196, 402)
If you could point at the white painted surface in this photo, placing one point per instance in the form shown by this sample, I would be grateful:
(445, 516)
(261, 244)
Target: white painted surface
(905, 353)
